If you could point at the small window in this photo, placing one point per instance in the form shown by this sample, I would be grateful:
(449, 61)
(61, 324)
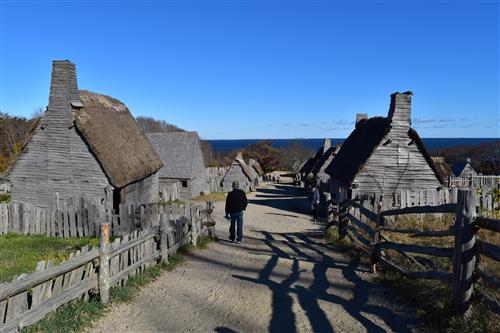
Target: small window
(184, 183)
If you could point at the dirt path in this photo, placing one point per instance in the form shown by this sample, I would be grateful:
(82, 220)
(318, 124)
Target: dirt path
(282, 278)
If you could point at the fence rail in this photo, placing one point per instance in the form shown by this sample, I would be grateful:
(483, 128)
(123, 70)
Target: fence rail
(28, 298)
(366, 229)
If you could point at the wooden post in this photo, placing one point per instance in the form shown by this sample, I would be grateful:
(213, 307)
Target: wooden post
(163, 238)
(463, 256)
(194, 224)
(376, 237)
(328, 208)
(104, 278)
(211, 219)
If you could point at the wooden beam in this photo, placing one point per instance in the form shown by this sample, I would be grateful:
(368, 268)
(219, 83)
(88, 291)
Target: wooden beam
(421, 233)
(151, 233)
(432, 275)
(487, 223)
(488, 249)
(361, 225)
(366, 212)
(430, 250)
(445, 208)
(490, 279)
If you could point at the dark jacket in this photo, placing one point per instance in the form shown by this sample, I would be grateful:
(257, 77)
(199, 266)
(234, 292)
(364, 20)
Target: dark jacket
(236, 202)
(314, 198)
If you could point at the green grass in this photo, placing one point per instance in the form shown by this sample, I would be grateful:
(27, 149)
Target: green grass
(4, 198)
(20, 253)
(216, 196)
(74, 317)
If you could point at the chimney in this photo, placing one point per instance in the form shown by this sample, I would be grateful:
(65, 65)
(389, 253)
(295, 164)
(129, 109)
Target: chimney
(326, 145)
(400, 109)
(468, 160)
(361, 116)
(63, 93)
(239, 155)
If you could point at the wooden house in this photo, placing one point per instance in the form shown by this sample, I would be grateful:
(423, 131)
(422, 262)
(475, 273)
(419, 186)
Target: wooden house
(321, 178)
(84, 145)
(383, 155)
(241, 172)
(443, 169)
(182, 162)
(252, 162)
(464, 169)
(311, 164)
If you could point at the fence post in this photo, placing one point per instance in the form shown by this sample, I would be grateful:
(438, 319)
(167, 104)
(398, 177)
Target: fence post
(194, 224)
(376, 237)
(163, 238)
(104, 279)
(210, 219)
(328, 207)
(463, 256)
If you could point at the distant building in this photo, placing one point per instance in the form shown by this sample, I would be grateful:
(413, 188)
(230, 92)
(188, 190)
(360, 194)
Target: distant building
(463, 169)
(307, 171)
(443, 169)
(85, 145)
(241, 172)
(384, 155)
(320, 176)
(257, 167)
(182, 162)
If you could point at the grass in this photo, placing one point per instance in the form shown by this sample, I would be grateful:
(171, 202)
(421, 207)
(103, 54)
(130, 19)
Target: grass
(431, 299)
(4, 198)
(172, 202)
(216, 196)
(76, 316)
(20, 253)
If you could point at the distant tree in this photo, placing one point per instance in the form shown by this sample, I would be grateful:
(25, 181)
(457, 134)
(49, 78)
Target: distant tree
(206, 149)
(294, 154)
(151, 125)
(268, 156)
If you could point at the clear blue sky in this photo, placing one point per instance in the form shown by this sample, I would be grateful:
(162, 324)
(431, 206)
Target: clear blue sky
(256, 69)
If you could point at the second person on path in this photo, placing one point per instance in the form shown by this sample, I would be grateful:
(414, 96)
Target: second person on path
(236, 203)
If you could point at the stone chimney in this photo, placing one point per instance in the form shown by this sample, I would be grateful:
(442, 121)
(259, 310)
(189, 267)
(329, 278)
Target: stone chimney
(400, 109)
(63, 93)
(326, 145)
(361, 116)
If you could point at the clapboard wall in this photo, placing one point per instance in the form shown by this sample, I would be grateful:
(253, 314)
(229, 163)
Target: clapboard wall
(56, 162)
(235, 173)
(144, 191)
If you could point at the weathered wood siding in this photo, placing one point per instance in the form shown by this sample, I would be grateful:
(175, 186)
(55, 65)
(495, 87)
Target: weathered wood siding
(235, 173)
(396, 163)
(56, 161)
(199, 180)
(145, 191)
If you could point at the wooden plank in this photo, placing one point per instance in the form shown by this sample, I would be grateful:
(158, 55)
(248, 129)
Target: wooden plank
(17, 304)
(358, 236)
(72, 223)
(489, 279)
(79, 223)
(114, 260)
(430, 250)
(66, 229)
(361, 225)
(26, 282)
(420, 233)
(134, 267)
(488, 223)
(445, 208)
(432, 275)
(366, 212)
(488, 249)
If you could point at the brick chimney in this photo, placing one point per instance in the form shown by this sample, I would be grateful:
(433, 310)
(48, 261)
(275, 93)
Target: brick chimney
(400, 109)
(63, 93)
(326, 145)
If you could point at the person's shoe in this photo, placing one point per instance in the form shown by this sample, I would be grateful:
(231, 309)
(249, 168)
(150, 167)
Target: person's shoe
(238, 242)
(232, 240)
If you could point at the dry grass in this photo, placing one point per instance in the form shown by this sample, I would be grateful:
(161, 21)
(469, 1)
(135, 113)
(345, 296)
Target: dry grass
(216, 196)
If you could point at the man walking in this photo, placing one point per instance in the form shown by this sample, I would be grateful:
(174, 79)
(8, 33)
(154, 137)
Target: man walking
(236, 203)
(314, 201)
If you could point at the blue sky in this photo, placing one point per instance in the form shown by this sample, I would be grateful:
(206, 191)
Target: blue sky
(263, 69)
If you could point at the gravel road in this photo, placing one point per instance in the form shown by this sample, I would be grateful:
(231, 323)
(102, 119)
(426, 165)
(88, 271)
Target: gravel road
(282, 278)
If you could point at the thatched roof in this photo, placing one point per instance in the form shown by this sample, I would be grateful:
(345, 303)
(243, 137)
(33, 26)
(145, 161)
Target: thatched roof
(308, 167)
(177, 150)
(115, 139)
(442, 167)
(256, 165)
(305, 165)
(246, 169)
(361, 143)
(325, 158)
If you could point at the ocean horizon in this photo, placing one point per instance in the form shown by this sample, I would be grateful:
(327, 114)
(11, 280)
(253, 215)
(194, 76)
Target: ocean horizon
(227, 145)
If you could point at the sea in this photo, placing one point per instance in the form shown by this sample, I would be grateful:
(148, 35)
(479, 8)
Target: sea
(225, 146)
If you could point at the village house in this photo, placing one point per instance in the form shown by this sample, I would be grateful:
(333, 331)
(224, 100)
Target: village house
(321, 178)
(239, 171)
(306, 172)
(182, 163)
(383, 155)
(464, 169)
(252, 162)
(443, 169)
(84, 145)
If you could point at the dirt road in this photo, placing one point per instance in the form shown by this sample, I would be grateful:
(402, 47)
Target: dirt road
(282, 278)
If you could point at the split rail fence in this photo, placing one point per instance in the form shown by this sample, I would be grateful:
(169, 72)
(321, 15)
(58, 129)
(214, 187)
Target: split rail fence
(368, 228)
(28, 298)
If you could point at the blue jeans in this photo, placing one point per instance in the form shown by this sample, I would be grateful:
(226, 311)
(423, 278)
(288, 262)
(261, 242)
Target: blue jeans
(236, 221)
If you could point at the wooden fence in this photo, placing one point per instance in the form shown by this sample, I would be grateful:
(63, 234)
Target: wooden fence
(83, 219)
(480, 181)
(28, 298)
(368, 230)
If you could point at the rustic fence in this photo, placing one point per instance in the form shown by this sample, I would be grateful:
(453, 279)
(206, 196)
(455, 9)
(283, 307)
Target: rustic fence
(214, 177)
(28, 298)
(369, 229)
(479, 181)
(83, 219)
(170, 192)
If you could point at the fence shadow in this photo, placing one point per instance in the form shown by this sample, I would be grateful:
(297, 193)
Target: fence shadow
(303, 247)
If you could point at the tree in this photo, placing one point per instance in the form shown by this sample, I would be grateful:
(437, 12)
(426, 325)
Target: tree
(151, 125)
(294, 154)
(268, 156)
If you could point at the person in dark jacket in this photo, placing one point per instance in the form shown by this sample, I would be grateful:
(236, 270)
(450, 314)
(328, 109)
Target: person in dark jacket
(314, 201)
(236, 203)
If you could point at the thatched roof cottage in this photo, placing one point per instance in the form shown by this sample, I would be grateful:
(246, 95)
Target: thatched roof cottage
(85, 144)
(257, 167)
(308, 169)
(241, 172)
(443, 169)
(384, 155)
(182, 162)
(464, 169)
(318, 171)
